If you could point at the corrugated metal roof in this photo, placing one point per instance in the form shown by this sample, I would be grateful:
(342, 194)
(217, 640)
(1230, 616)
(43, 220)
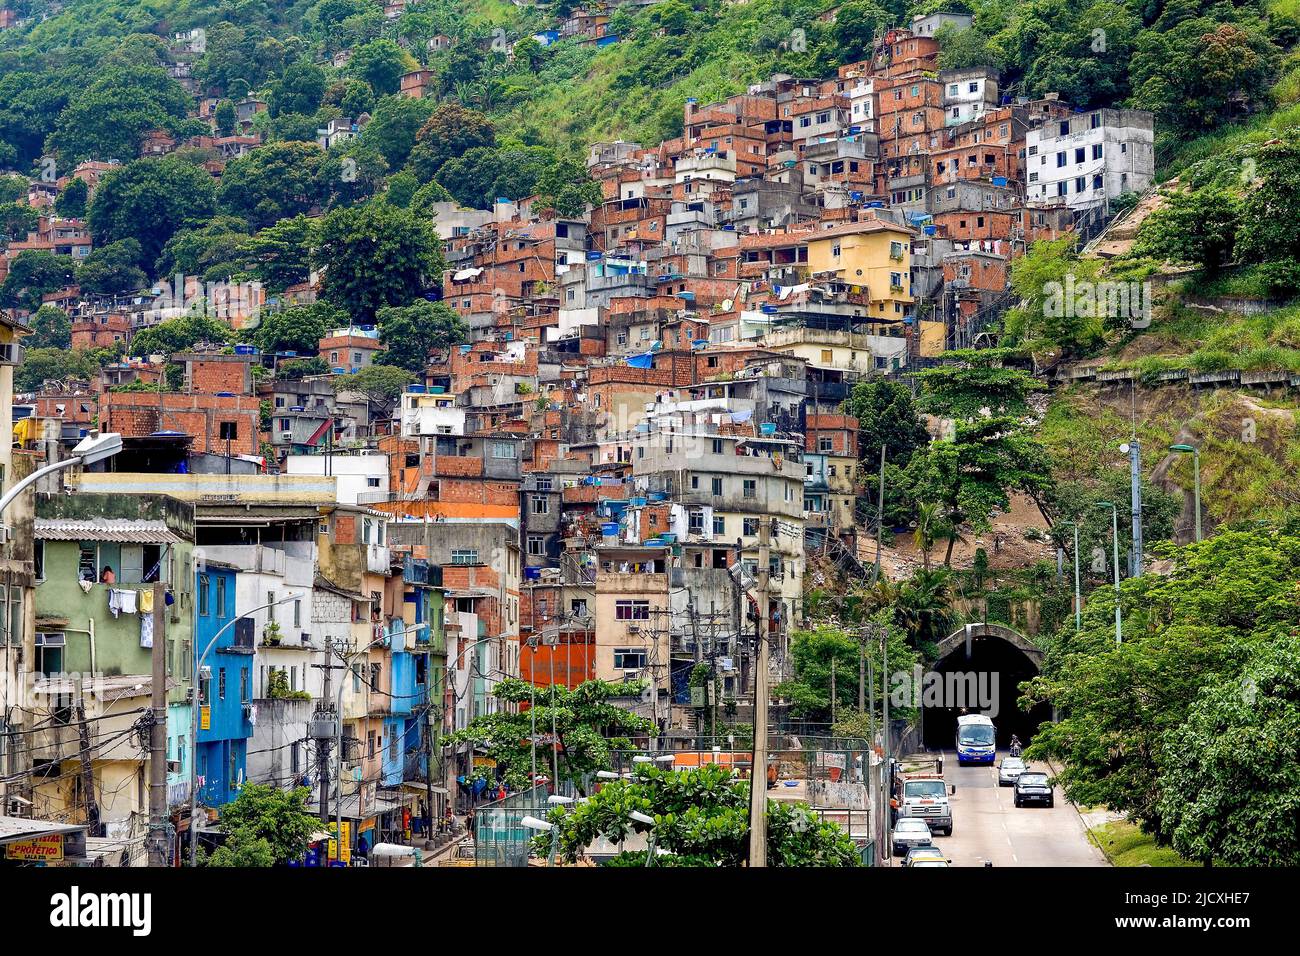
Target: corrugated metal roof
(125, 530)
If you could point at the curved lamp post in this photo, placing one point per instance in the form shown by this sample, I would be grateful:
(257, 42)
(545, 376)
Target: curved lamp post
(1114, 540)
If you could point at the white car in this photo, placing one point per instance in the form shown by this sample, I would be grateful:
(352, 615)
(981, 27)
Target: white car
(910, 832)
(1009, 770)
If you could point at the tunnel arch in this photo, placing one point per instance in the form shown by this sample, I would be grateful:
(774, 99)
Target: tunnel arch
(998, 658)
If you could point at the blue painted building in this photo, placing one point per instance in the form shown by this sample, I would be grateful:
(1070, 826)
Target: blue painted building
(403, 759)
(225, 687)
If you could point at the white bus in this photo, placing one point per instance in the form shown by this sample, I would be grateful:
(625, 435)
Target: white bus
(976, 740)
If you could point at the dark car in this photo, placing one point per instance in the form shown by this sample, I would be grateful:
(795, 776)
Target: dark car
(1033, 786)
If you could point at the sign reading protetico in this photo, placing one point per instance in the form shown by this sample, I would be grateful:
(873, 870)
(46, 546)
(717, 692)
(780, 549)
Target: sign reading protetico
(45, 848)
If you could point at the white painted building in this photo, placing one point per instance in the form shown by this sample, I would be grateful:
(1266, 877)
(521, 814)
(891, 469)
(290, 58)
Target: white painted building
(968, 94)
(1088, 159)
(358, 478)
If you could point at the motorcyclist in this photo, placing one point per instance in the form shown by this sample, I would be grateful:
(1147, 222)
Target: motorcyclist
(1015, 746)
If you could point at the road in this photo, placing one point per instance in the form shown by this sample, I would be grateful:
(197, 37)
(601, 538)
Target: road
(987, 825)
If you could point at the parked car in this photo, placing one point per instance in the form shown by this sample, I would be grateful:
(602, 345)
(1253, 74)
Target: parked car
(1009, 769)
(925, 856)
(1033, 786)
(910, 832)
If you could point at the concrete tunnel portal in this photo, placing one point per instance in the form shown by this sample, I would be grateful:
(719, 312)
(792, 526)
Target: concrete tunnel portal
(988, 662)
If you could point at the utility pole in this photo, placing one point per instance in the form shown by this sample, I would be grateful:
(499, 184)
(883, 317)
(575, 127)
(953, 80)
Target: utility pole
(159, 844)
(758, 762)
(323, 731)
(880, 516)
(833, 663)
(87, 768)
(862, 671)
(884, 706)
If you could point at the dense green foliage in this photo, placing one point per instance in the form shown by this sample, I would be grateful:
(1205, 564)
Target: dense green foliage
(701, 818)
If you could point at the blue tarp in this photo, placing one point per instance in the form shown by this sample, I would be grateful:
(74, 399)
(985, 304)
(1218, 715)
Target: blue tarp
(645, 360)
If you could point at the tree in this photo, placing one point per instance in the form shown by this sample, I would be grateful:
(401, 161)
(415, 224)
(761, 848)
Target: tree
(1230, 776)
(974, 474)
(566, 188)
(394, 125)
(300, 368)
(150, 201)
(376, 255)
(887, 416)
(702, 819)
(1201, 72)
(226, 117)
(55, 364)
(179, 335)
(71, 202)
(856, 26)
(1198, 227)
(450, 132)
(380, 385)
(109, 117)
(112, 269)
(381, 64)
(273, 182)
(300, 90)
(589, 726)
(1126, 707)
(974, 381)
(217, 244)
(1270, 209)
(280, 255)
(351, 174)
(51, 329)
(241, 851)
(924, 609)
(32, 274)
(814, 652)
(297, 329)
(352, 97)
(267, 813)
(1048, 280)
(411, 332)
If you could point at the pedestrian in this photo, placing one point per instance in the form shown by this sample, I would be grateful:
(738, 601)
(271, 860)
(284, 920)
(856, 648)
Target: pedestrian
(469, 822)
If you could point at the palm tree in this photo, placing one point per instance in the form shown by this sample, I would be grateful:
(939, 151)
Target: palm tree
(927, 519)
(925, 607)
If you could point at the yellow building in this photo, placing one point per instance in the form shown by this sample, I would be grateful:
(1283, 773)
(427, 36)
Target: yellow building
(874, 256)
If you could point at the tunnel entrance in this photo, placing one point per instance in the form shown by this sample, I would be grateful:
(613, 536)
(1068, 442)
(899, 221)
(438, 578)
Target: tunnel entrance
(987, 680)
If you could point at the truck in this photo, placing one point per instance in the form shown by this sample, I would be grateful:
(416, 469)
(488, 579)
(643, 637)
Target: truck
(925, 796)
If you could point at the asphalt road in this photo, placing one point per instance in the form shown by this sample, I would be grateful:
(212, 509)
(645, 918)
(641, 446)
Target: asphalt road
(987, 825)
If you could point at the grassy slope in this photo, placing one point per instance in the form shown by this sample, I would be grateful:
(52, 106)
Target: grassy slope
(1125, 845)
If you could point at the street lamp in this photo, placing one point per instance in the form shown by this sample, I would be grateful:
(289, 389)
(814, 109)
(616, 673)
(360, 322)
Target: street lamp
(1114, 538)
(532, 823)
(88, 451)
(638, 817)
(1078, 599)
(194, 712)
(1196, 478)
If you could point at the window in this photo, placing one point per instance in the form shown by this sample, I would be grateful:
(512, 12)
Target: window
(1060, 159)
(750, 488)
(244, 698)
(717, 446)
(503, 449)
(49, 653)
(632, 610)
(372, 482)
(719, 526)
(717, 487)
(38, 558)
(203, 595)
(628, 658)
(541, 504)
(825, 443)
(536, 545)
(221, 683)
(469, 556)
(695, 522)
(229, 431)
(1096, 150)
(749, 527)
